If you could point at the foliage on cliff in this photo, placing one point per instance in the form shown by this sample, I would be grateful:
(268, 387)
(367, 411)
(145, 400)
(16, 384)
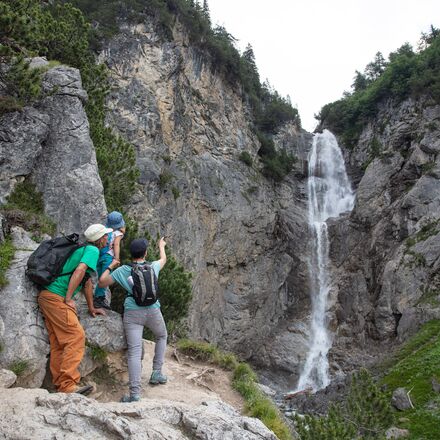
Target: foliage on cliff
(416, 367)
(407, 73)
(270, 110)
(365, 414)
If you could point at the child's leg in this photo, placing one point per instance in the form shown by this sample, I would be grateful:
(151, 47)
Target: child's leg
(103, 263)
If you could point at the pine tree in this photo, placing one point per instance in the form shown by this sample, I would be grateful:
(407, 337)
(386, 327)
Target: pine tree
(374, 69)
(206, 12)
(366, 414)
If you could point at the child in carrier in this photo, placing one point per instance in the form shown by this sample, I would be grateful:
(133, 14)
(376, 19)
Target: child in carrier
(107, 254)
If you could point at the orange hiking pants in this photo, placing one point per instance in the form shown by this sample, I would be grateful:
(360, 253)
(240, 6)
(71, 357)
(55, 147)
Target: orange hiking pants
(67, 340)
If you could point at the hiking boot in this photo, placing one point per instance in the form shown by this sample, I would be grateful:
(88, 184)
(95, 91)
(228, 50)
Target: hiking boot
(85, 390)
(158, 378)
(130, 398)
(99, 302)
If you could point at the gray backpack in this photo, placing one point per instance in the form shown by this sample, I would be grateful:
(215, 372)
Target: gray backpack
(145, 288)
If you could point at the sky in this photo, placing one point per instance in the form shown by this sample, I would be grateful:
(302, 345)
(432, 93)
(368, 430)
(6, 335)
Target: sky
(310, 49)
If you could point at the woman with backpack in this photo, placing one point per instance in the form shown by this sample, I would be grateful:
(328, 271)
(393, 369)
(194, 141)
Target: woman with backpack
(141, 309)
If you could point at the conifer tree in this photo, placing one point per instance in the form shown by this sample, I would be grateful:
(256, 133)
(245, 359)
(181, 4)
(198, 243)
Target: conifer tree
(206, 12)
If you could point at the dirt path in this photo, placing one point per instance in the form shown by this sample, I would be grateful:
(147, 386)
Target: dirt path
(189, 381)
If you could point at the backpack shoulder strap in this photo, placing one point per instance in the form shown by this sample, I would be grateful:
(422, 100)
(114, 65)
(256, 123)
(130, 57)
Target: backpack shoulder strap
(81, 245)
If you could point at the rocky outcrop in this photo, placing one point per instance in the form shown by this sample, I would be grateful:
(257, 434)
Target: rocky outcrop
(243, 237)
(50, 145)
(35, 414)
(24, 340)
(386, 254)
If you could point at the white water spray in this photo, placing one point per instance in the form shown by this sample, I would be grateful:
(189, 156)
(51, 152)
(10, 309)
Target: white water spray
(330, 194)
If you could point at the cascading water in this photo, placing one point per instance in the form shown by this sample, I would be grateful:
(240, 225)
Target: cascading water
(330, 194)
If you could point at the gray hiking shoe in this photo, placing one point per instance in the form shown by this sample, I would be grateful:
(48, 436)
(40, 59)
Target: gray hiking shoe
(99, 302)
(84, 390)
(158, 378)
(130, 398)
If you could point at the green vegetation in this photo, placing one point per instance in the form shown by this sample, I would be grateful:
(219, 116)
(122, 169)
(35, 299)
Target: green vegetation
(429, 297)
(425, 232)
(176, 192)
(7, 252)
(97, 353)
(414, 367)
(244, 381)
(365, 414)
(102, 375)
(25, 207)
(246, 158)
(165, 178)
(19, 367)
(407, 73)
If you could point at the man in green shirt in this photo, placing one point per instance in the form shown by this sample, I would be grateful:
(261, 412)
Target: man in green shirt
(66, 335)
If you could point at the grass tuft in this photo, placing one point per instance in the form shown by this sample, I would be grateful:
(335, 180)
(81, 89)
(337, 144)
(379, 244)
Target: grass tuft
(19, 367)
(7, 252)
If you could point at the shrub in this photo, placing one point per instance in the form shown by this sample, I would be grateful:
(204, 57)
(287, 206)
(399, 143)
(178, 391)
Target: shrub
(97, 353)
(246, 158)
(365, 414)
(25, 207)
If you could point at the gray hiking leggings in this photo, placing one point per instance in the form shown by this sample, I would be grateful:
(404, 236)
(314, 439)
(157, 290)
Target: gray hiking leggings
(134, 323)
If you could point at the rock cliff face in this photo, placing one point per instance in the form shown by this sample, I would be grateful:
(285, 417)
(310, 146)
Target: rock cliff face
(50, 145)
(386, 254)
(243, 237)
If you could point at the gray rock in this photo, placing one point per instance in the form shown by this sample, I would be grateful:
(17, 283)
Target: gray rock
(51, 146)
(35, 414)
(106, 332)
(394, 433)
(24, 339)
(38, 62)
(400, 399)
(7, 378)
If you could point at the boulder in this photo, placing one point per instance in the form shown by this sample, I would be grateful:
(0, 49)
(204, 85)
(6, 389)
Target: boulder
(7, 378)
(25, 342)
(37, 415)
(394, 433)
(400, 399)
(105, 332)
(51, 146)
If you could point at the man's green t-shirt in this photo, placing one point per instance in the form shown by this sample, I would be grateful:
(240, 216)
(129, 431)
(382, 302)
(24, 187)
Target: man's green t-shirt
(88, 255)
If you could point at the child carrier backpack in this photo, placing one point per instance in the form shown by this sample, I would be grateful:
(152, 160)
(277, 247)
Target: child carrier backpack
(47, 261)
(145, 290)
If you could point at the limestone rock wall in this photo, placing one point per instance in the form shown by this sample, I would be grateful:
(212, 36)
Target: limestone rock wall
(386, 254)
(242, 237)
(50, 145)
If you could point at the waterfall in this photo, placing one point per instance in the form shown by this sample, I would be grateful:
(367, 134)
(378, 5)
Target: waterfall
(330, 194)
